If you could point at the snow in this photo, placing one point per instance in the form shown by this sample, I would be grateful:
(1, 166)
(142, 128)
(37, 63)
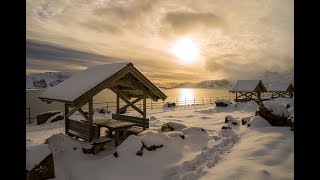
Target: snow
(54, 116)
(260, 151)
(245, 86)
(258, 122)
(277, 108)
(82, 81)
(35, 154)
(278, 86)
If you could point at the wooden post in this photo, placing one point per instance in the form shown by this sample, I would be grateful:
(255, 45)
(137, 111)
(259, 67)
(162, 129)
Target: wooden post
(118, 103)
(91, 119)
(66, 119)
(144, 110)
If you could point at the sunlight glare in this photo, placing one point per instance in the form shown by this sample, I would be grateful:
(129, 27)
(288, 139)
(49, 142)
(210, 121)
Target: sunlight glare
(186, 50)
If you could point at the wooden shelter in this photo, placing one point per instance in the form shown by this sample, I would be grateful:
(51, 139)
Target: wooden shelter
(122, 78)
(247, 90)
(279, 89)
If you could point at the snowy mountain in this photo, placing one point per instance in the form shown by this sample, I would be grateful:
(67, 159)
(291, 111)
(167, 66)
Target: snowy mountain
(45, 80)
(206, 84)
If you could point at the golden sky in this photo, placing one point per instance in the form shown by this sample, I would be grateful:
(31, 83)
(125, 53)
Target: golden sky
(232, 39)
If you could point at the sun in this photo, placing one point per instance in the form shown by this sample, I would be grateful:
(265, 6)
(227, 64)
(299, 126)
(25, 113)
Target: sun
(186, 50)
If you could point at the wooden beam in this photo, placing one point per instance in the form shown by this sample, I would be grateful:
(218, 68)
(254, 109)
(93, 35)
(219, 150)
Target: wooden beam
(91, 119)
(75, 109)
(144, 110)
(66, 119)
(130, 104)
(83, 114)
(118, 103)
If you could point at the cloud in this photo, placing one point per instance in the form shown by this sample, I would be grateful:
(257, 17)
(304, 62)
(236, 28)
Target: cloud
(249, 65)
(184, 21)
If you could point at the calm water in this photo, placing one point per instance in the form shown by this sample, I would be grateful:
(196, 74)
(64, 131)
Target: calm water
(180, 96)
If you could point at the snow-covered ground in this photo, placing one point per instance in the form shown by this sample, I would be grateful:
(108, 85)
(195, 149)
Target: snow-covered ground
(260, 151)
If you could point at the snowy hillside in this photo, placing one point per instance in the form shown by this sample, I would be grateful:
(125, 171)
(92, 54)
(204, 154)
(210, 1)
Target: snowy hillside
(45, 80)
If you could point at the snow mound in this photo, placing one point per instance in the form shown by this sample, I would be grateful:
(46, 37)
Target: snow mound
(171, 126)
(194, 131)
(35, 154)
(152, 137)
(247, 106)
(175, 134)
(258, 122)
(276, 108)
(130, 146)
(152, 118)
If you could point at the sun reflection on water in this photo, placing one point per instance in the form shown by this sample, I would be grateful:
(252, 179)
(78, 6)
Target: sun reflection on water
(187, 94)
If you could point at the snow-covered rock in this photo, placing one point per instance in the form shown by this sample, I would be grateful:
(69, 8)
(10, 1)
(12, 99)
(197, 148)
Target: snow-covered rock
(245, 120)
(154, 138)
(274, 112)
(258, 122)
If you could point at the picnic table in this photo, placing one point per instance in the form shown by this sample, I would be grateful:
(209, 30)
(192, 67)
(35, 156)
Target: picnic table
(114, 125)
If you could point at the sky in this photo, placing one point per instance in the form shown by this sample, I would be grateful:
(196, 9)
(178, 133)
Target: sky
(231, 39)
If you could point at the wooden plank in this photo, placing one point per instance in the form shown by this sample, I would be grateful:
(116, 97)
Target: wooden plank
(139, 121)
(83, 128)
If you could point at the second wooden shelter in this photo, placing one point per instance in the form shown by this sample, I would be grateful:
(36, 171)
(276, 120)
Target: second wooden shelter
(247, 90)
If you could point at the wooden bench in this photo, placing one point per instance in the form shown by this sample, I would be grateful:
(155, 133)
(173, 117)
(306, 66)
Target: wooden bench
(96, 146)
(81, 130)
(142, 123)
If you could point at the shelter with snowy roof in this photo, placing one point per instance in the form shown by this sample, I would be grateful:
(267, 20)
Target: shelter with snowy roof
(247, 90)
(281, 89)
(78, 90)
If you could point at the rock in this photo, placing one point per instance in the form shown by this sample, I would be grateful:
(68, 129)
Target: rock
(115, 154)
(171, 126)
(167, 104)
(275, 113)
(101, 110)
(42, 118)
(245, 120)
(222, 103)
(231, 120)
(139, 153)
(226, 127)
(44, 170)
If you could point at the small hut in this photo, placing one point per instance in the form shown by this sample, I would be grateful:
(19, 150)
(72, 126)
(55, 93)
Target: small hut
(122, 78)
(281, 89)
(247, 90)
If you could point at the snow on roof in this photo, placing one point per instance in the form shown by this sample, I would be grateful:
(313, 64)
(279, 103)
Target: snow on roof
(35, 154)
(81, 82)
(245, 85)
(279, 86)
